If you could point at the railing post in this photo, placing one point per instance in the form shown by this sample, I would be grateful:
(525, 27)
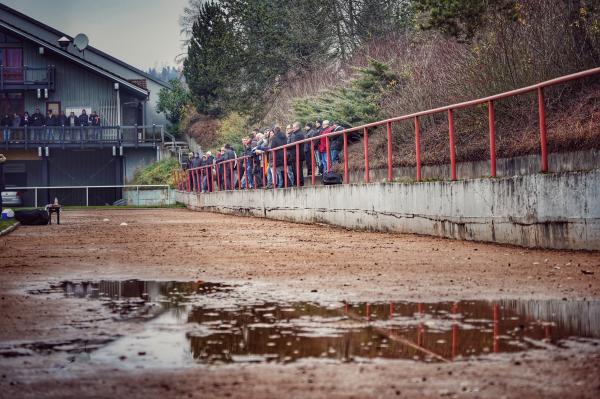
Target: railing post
(239, 167)
(313, 178)
(328, 154)
(218, 168)
(265, 161)
(492, 126)
(36, 197)
(298, 171)
(232, 176)
(452, 148)
(389, 152)
(346, 174)
(418, 147)
(543, 138)
(245, 173)
(87, 196)
(285, 170)
(366, 148)
(274, 170)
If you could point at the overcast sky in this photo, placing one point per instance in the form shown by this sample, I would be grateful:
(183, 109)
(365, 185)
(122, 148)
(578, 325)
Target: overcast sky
(143, 33)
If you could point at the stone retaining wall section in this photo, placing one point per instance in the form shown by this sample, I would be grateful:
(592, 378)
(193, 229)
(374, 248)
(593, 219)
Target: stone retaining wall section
(560, 211)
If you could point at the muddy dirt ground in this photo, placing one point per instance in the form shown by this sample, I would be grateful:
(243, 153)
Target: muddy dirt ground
(293, 261)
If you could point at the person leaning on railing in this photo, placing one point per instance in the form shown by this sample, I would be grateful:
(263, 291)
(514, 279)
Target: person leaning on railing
(51, 124)
(6, 123)
(15, 125)
(37, 122)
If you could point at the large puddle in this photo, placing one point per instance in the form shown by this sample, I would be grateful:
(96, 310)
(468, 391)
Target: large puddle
(197, 322)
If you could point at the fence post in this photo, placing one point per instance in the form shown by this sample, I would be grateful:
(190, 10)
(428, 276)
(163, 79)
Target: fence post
(543, 138)
(232, 186)
(285, 170)
(298, 171)
(452, 148)
(36, 197)
(389, 152)
(346, 175)
(366, 145)
(313, 178)
(239, 167)
(274, 172)
(418, 147)
(87, 196)
(265, 161)
(492, 138)
(328, 154)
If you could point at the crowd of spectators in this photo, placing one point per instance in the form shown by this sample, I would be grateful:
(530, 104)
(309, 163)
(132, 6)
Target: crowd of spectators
(43, 127)
(255, 169)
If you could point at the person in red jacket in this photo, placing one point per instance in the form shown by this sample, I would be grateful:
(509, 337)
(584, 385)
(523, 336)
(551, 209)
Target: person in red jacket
(324, 166)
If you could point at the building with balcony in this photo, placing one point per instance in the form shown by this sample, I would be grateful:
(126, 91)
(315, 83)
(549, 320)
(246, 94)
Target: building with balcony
(36, 71)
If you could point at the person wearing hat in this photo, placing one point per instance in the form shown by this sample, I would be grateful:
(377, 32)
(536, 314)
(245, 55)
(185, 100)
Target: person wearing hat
(2, 160)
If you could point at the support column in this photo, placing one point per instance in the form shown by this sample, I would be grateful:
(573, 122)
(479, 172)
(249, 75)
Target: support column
(119, 175)
(44, 195)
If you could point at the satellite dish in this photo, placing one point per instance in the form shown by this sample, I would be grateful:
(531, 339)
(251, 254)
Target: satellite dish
(81, 41)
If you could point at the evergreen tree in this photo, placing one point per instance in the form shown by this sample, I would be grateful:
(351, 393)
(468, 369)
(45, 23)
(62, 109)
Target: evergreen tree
(213, 60)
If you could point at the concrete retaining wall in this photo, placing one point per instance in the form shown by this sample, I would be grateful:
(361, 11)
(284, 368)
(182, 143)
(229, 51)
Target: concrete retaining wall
(559, 211)
(149, 197)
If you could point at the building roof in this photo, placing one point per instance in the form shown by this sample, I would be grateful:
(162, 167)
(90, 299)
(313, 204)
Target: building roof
(101, 53)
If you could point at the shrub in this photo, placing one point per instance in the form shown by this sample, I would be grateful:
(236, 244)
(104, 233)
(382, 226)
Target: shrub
(157, 173)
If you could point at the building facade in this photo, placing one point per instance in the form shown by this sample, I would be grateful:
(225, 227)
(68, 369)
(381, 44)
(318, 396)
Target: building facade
(42, 68)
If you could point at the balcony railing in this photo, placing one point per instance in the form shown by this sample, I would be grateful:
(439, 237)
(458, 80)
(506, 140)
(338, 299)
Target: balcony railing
(27, 78)
(81, 136)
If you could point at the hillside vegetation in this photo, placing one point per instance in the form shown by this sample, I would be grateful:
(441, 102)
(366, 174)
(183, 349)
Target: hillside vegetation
(431, 53)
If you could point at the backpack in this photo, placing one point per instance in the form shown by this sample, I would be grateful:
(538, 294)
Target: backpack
(330, 178)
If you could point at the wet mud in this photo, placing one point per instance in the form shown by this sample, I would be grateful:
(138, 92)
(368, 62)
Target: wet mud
(187, 304)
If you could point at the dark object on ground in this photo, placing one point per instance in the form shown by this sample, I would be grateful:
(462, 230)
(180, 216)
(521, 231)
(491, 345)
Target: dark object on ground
(36, 217)
(330, 178)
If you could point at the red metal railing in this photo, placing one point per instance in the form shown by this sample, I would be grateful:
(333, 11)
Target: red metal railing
(212, 172)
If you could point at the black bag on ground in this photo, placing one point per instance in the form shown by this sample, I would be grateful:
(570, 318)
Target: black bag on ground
(330, 178)
(35, 217)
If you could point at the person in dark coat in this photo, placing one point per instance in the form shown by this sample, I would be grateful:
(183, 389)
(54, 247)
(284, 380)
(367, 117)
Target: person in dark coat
(2, 160)
(25, 119)
(84, 119)
(16, 125)
(278, 140)
(61, 119)
(337, 144)
(6, 123)
(247, 165)
(311, 132)
(51, 123)
(298, 135)
(207, 185)
(37, 121)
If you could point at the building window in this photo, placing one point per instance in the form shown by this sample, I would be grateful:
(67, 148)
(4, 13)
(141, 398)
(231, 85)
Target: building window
(12, 62)
(11, 103)
(6, 38)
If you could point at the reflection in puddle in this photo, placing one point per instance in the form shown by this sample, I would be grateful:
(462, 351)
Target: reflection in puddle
(198, 322)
